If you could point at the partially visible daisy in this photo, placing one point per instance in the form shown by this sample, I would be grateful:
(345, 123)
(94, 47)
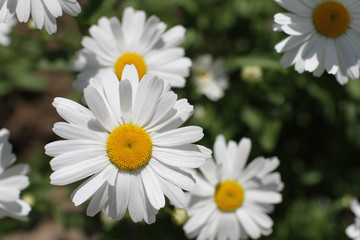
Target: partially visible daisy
(324, 35)
(209, 77)
(353, 231)
(12, 181)
(231, 201)
(135, 40)
(5, 29)
(43, 12)
(130, 145)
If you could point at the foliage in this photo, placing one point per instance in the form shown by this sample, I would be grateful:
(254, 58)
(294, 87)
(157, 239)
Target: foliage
(311, 124)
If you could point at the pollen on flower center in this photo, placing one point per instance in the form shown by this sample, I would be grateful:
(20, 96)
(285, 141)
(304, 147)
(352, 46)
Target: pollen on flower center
(203, 74)
(130, 58)
(331, 19)
(129, 147)
(229, 196)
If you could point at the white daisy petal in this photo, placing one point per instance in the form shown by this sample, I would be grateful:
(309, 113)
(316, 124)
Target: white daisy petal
(144, 107)
(89, 187)
(5, 29)
(72, 7)
(13, 179)
(71, 131)
(199, 219)
(251, 228)
(176, 176)
(263, 197)
(178, 136)
(209, 231)
(220, 149)
(126, 101)
(209, 171)
(72, 112)
(123, 192)
(55, 148)
(184, 156)
(136, 202)
(43, 12)
(353, 230)
(164, 111)
(229, 227)
(18, 210)
(355, 207)
(76, 172)
(99, 200)
(100, 108)
(152, 188)
(174, 193)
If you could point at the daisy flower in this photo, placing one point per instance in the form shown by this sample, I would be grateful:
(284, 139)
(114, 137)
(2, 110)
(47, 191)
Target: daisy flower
(324, 35)
(5, 29)
(12, 181)
(130, 145)
(43, 12)
(135, 40)
(353, 231)
(209, 77)
(231, 201)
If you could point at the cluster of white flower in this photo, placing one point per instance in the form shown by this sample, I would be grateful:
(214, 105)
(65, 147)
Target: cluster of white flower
(128, 144)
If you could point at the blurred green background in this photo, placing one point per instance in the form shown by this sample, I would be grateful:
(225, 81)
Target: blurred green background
(311, 124)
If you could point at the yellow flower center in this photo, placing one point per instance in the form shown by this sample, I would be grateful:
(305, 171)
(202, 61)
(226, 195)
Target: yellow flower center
(129, 147)
(229, 196)
(331, 19)
(130, 58)
(203, 74)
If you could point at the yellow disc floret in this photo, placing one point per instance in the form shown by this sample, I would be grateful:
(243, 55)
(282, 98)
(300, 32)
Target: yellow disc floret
(229, 196)
(129, 147)
(130, 58)
(331, 19)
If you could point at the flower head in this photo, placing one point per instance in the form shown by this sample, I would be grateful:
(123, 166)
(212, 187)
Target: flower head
(353, 231)
(12, 181)
(44, 13)
(209, 77)
(134, 40)
(324, 35)
(231, 200)
(130, 145)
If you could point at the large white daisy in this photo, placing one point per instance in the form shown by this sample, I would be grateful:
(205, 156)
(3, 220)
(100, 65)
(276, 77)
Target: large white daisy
(130, 143)
(231, 201)
(324, 35)
(137, 41)
(12, 181)
(353, 231)
(43, 12)
(209, 77)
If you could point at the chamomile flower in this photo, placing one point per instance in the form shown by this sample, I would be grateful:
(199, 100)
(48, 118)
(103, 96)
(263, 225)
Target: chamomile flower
(135, 40)
(130, 145)
(353, 231)
(231, 200)
(43, 12)
(209, 77)
(12, 181)
(5, 29)
(324, 35)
